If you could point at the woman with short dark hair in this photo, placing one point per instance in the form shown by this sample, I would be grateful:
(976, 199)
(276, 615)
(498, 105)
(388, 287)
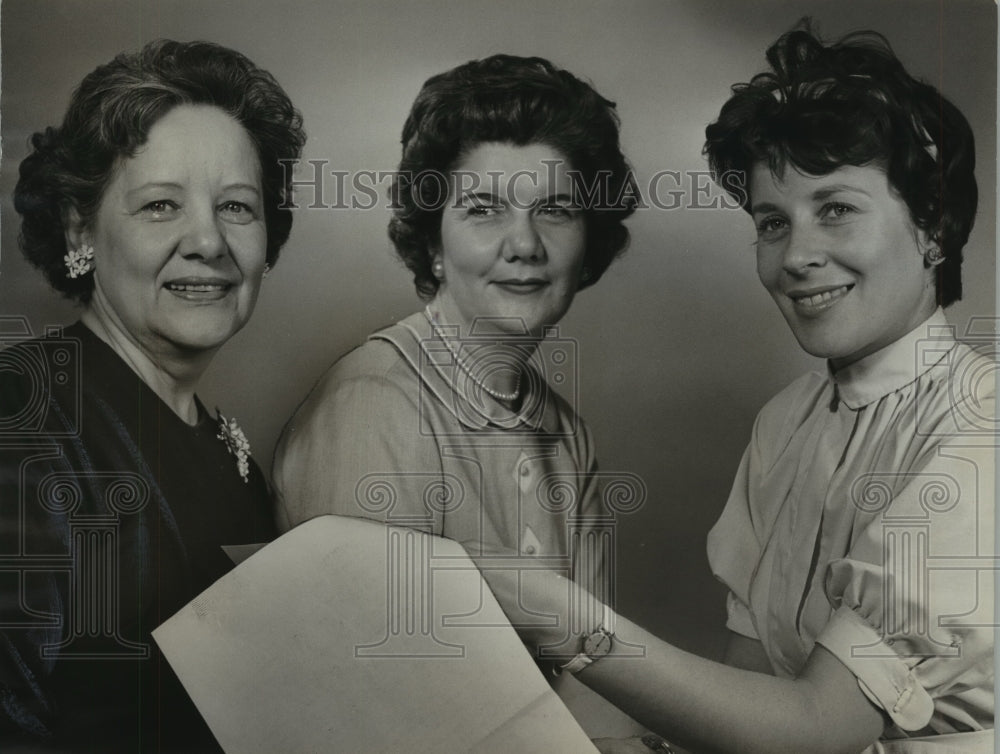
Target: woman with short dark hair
(850, 538)
(518, 101)
(108, 120)
(156, 205)
(853, 103)
(510, 198)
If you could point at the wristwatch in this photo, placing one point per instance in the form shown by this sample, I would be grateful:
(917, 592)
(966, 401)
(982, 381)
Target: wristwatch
(596, 645)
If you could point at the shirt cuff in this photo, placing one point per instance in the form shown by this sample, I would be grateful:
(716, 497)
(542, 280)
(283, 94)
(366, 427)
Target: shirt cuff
(883, 677)
(738, 618)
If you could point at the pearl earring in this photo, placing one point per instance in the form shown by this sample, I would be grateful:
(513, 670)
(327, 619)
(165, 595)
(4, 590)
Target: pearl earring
(80, 261)
(438, 269)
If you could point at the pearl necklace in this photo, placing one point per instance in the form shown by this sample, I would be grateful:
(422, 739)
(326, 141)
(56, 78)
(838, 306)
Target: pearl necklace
(511, 396)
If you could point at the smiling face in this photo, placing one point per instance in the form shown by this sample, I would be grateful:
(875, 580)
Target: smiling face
(512, 241)
(842, 259)
(179, 238)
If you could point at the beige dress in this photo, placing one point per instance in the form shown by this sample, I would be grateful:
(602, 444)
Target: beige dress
(396, 432)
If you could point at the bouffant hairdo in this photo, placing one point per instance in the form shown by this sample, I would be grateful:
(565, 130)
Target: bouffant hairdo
(109, 118)
(824, 106)
(519, 101)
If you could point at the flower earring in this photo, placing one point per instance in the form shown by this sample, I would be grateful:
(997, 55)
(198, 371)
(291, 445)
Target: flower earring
(437, 269)
(80, 261)
(934, 256)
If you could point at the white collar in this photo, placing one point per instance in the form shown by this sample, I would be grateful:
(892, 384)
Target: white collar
(416, 340)
(895, 366)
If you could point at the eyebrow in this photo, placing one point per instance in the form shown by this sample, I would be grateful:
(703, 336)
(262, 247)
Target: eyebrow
(827, 191)
(154, 185)
(178, 187)
(764, 207)
(483, 196)
(818, 195)
(568, 198)
(491, 198)
(244, 186)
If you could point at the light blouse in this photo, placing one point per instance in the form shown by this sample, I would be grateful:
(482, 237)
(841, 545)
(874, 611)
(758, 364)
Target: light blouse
(861, 518)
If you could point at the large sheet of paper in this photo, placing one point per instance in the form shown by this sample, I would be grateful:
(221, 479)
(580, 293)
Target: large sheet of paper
(345, 635)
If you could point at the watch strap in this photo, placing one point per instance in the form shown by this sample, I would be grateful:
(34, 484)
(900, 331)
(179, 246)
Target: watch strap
(583, 659)
(577, 664)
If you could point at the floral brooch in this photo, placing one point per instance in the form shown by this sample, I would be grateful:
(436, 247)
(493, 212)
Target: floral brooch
(236, 443)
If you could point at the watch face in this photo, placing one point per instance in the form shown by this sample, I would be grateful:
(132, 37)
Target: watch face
(597, 644)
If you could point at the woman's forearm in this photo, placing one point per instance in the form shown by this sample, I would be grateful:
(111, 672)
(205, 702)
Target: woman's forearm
(701, 704)
(708, 706)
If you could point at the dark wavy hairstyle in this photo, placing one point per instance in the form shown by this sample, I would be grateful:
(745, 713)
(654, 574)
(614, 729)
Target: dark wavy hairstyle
(109, 118)
(852, 103)
(518, 101)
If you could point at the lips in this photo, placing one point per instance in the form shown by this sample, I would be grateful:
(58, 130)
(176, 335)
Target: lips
(817, 300)
(521, 286)
(199, 289)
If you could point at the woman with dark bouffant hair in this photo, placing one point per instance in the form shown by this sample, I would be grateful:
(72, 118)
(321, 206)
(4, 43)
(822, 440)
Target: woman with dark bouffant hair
(157, 207)
(510, 198)
(843, 634)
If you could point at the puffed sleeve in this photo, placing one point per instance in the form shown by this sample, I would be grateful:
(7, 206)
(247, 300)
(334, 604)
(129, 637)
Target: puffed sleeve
(354, 448)
(736, 542)
(733, 547)
(913, 598)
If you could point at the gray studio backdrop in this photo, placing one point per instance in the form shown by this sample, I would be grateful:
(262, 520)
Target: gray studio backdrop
(679, 344)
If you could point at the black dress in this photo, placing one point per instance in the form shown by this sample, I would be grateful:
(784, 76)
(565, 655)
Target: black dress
(113, 512)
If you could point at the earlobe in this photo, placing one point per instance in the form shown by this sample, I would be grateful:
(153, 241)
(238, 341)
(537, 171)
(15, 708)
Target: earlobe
(79, 257)
(437, 268)
(930, 249)
(73, 228)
